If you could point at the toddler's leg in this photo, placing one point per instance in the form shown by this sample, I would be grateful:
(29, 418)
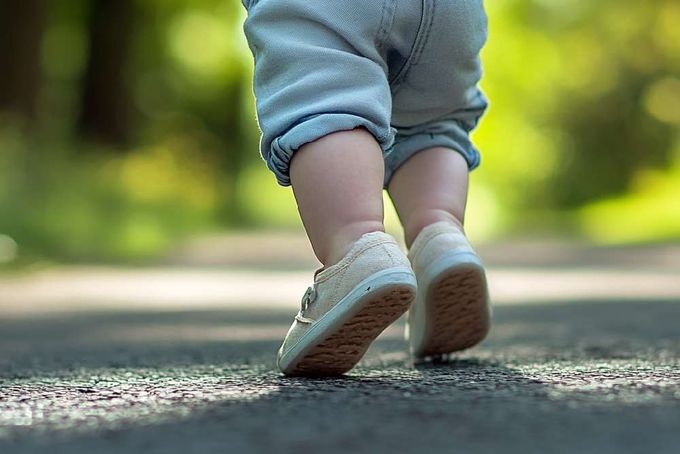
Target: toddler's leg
(451, 311)
(430, 186)
(366, 282)
(337, 181)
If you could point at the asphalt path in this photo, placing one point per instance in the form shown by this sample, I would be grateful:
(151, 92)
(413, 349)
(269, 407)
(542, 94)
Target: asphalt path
(591, 377)
(598, 374)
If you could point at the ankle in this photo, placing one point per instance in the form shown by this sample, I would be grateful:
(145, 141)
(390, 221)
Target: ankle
(427, 217)
(342, 240)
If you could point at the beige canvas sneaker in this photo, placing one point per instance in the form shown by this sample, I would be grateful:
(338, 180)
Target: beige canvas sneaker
(452, 310)
(347, 307)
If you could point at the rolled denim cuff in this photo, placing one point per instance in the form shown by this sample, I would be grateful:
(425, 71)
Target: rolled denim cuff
(279, 155)
(452, 134)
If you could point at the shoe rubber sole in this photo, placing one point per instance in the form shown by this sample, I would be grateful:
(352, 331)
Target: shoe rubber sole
(339, 339)
(457, 312)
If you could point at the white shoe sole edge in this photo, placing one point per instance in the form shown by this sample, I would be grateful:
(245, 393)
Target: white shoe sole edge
(337, 341)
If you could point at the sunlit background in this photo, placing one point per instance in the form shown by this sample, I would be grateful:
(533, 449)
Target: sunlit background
(150, 265)
(129, 126)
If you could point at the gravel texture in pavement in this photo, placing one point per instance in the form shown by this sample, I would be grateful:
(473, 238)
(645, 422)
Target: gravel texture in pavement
(584, 376)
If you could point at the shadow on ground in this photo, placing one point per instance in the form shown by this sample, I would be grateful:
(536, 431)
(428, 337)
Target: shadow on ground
(589, 376)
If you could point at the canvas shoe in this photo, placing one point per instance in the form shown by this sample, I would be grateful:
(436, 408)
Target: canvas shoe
(349, 304)
(452, 310)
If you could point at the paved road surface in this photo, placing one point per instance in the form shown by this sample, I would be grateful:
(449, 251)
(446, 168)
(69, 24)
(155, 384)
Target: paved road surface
(599, 374)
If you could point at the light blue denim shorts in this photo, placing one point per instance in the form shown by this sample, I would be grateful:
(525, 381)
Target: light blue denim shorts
(406, 70)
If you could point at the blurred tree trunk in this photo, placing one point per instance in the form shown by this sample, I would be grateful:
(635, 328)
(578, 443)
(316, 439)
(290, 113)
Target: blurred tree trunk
(21, 29)
(106, 104)
(232, 211)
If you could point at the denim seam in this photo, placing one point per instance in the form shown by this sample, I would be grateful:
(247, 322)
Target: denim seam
(386, 23)
(426, 38)
(395, 82)
(419, 43)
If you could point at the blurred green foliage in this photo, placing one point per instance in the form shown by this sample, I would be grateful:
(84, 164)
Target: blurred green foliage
(585, 107)
(114, 149)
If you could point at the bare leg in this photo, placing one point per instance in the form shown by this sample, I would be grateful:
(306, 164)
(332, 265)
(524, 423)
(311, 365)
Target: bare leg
(430, 186)
(337, 181)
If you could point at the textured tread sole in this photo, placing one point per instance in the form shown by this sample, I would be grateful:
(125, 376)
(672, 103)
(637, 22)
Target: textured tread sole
(343, 347)
(458, 315)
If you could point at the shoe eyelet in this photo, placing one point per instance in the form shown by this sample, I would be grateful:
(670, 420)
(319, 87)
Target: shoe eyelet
(308, 298)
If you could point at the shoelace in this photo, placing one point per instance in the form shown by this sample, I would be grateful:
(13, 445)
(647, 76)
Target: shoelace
(307, 299)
